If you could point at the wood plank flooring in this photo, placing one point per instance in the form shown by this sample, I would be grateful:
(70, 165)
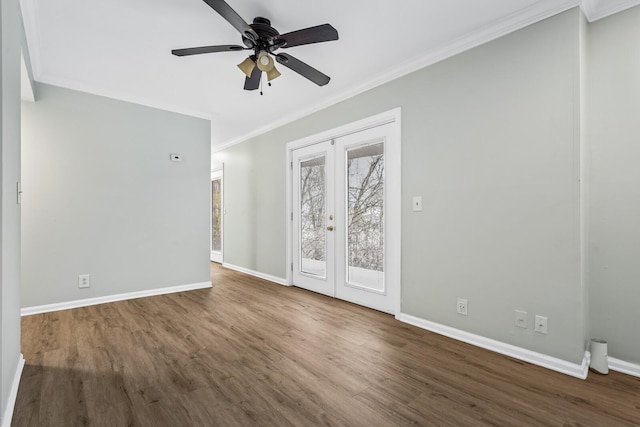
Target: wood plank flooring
(251, 353)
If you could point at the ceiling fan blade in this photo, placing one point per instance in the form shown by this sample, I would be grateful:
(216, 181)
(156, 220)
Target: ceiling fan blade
(253, 82)
(317, 34)
(207, 49)
(303, 69)
(232, 18)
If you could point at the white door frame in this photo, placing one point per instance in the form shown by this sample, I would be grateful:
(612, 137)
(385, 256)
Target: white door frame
(393, 193)
(217, 173)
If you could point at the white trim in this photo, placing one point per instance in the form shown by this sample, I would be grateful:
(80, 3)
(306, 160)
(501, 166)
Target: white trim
(394, 259)
(289, 214)
(13, 393)
(389, 116)
(28, 311)
(270, 278)
(624, 367)
(549, 362)
(598, 9)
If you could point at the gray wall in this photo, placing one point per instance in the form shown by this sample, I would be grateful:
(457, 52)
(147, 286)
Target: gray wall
(9, 209)
(614, 100)
(491, 140)
(101, 197)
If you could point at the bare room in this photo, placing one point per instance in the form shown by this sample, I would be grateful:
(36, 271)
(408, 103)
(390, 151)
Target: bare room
(246, 213)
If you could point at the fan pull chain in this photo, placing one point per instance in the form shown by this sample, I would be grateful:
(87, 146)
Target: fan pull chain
(261, 85)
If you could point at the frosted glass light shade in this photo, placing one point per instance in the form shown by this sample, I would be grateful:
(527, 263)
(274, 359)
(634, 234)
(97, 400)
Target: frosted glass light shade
(247, 66)
(273, 74)
(265, 62)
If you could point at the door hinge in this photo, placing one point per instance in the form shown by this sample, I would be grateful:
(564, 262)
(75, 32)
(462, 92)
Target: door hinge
(291, 216)
(291, 165)
(19, 191)
(291, 266)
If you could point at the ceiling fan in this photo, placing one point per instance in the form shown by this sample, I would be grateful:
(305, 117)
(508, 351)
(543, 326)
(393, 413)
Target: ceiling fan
(264, 40)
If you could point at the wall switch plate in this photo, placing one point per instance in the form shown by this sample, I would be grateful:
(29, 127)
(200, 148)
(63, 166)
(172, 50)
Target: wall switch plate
(461, 307)
(176, 157)
(84, 281)
(521, 319)
(541, 324)
(417, 203)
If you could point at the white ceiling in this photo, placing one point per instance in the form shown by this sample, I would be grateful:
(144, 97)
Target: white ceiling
(122, 49)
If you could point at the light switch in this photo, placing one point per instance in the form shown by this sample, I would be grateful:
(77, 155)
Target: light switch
(417, 203)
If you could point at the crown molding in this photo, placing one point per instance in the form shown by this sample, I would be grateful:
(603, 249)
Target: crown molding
(516, 21)
(598, 9)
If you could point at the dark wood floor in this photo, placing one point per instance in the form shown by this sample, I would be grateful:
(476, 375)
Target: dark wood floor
(251, 353)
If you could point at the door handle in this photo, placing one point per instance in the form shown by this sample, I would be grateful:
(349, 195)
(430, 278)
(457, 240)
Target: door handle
(330, 228)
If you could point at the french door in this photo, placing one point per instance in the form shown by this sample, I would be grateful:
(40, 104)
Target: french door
(313, 218)
(340, 218)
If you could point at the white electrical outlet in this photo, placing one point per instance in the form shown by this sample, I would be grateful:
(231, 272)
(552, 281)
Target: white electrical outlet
(461, 307)
(84, 281)
(521, 319)
(541, 324)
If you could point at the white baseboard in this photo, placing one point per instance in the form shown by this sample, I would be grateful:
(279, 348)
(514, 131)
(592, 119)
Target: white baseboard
(13, 394)
(624, 367)
(549, 362)
(27, 311)
(274, 279)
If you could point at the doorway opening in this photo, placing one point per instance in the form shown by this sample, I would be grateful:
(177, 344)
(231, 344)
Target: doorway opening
(217, 216)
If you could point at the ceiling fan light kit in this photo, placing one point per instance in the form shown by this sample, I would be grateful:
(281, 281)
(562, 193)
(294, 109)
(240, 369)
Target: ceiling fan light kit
(247, 66)
(273, 74)
(264, 40)
(265, 62)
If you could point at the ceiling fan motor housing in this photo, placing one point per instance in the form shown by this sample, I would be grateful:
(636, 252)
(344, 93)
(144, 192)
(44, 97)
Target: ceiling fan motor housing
(266, 36)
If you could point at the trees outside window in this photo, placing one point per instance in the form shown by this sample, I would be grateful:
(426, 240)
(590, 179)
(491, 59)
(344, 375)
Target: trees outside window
(365, 207)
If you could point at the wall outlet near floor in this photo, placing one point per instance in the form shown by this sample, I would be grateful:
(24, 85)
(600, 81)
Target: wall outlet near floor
(521, 319)
(84, 281)
(461, 307)
(541, 324)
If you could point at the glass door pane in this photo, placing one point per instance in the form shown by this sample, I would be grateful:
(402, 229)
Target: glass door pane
(365, 216)
(216, 215)
(313, 242)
